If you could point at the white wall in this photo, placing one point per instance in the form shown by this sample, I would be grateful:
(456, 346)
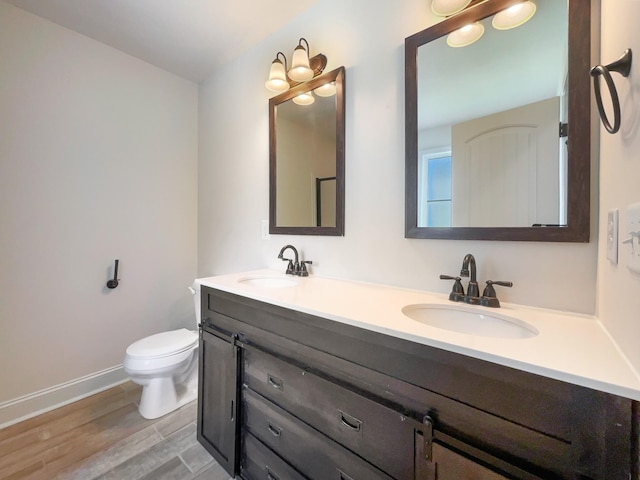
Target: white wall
(98, 161)
(618, 287)
(233, 171)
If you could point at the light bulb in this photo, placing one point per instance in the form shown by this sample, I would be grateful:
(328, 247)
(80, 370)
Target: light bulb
(514, 16)
(466, 35)
(305, 98)
(444, 8)
(326, 90)
(277, 77)
(300, 70)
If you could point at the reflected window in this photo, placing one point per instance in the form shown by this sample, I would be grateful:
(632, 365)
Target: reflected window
(434, 189)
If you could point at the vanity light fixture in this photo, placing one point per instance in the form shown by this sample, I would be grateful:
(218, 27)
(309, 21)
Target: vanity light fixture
(302, 68)
(445, 8)
(305, 98)
(466, 35)
(278, 75)
(514, 16)
(326, 90)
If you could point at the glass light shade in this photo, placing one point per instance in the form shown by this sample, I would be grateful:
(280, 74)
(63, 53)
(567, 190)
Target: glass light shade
(304, 99)
(300, 70)
(466, 35)
(326, 90)
(277, 78)
(444, 8)
(514, 16)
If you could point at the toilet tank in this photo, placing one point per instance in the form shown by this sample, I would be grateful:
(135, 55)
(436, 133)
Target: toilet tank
(195, 291)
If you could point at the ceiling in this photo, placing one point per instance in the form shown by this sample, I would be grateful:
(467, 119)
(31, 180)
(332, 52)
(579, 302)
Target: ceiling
(191, 38)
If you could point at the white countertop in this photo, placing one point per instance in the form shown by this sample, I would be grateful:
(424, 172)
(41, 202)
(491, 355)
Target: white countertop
(569, 347)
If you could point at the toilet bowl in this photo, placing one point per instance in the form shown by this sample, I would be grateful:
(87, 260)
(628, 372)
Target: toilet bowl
(166, 365)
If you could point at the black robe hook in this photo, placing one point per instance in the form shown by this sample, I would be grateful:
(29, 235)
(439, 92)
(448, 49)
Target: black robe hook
(114, 283)
(623, 67)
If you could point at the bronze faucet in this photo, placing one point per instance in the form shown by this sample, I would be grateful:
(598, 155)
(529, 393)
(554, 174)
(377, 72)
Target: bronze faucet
(470, 261)
(488, 298)
(294, 267)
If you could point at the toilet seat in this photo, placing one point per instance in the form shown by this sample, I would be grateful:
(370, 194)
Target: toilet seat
(163, 344)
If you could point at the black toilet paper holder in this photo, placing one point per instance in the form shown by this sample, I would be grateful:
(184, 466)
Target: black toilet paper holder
(114, 283)
(623, 67)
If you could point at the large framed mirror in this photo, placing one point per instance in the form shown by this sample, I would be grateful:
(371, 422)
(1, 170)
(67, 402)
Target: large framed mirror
(498, 132)
(306, 158)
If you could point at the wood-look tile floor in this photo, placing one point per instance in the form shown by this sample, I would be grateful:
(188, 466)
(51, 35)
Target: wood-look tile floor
(104, 437)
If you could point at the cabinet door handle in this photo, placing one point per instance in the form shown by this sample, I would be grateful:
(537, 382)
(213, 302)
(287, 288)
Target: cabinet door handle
(343, 476)
(275, 382)
(350, 422)
(275, 431)
(271, 476)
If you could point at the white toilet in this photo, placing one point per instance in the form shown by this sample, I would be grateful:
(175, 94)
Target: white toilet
(166, 365)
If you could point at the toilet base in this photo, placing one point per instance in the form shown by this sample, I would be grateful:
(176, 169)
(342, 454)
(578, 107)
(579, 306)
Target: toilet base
(168, 381)
(161, 396)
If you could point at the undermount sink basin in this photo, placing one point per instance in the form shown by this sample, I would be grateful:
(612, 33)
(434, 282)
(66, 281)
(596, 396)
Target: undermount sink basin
(469, 320)
(265, 281)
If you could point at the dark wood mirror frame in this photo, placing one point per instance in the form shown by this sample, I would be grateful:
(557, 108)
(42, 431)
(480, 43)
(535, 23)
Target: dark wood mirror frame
(337, 75)
(579, 138)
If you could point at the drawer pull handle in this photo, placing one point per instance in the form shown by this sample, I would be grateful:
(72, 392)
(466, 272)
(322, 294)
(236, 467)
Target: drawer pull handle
(343, 476)
(350, 422)
(271, 476)
(275, 382)
(275, 431)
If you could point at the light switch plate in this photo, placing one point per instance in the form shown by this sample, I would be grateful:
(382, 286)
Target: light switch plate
(264, 226)
(612, 236)
(633, 232)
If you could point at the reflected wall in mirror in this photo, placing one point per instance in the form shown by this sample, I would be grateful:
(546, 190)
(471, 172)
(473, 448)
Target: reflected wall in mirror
(487, 151)
(306, 158)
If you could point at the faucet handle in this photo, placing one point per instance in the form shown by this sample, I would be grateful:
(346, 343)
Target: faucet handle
(489, 298)
(303, 268)
(457, 292)
(489, 291)
(290, 268)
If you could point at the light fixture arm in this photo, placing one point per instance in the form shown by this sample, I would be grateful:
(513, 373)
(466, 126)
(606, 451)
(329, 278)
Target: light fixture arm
(302, 39)
(284, 58)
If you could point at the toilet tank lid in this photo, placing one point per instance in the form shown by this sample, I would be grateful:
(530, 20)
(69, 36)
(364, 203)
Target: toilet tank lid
(165, 343)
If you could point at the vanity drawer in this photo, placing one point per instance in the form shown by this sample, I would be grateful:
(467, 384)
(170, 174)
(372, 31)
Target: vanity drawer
(365, 427)
(315, 455)
(260, 463)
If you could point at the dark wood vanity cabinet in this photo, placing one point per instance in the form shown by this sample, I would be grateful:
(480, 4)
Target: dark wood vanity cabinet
(287, 395)
(217, 396)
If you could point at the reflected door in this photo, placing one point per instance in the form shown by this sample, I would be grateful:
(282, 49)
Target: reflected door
(326, 202)
(506, 168)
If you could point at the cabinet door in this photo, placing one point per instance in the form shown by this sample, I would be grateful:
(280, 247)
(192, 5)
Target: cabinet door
(452, 466)
(218, 398)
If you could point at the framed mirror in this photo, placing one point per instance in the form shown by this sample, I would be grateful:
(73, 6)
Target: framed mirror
(498, 132)
(306, 158)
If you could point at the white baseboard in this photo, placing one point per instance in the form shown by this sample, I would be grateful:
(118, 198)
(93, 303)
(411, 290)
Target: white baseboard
(33, 404)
